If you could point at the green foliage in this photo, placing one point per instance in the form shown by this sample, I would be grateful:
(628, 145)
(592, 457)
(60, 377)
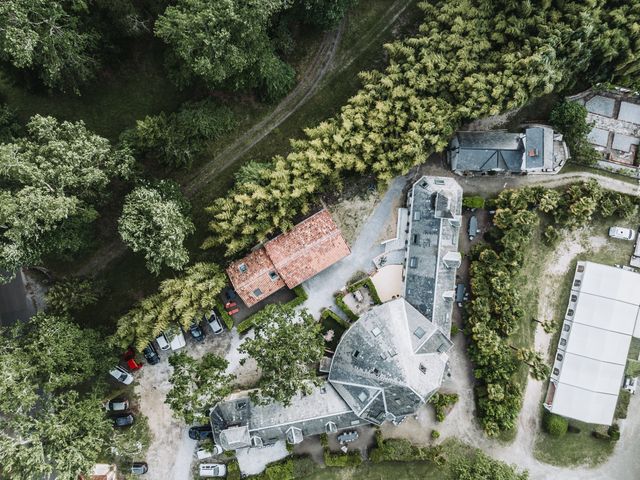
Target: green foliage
(127, 443)
(368, 284)
(9, 126)
(224, 315)
(441, 402)
(177, 138)
(224, 43)
(155, 221)
(435, 434)
(44, 399)
(402, 450)
(286, 347)
(470, 201)
(197, 385)
(233, 470)
(345, 308)
(483, 467)
(52, 179)
(454, 330)
(51, 38)
(299, 299)
(623, 404)
(327, 313)
(331, 321)
(283, 470)
(324, 440)
(181, 299)
(614, 432)
(349, 459)
(570, 118)
(71, 295)
(505, 55)
(555, 425)
(324, 14)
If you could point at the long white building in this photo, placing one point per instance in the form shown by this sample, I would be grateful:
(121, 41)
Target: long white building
(601, 319)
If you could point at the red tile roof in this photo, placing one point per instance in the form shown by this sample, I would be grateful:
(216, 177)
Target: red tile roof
(311, 246)
(256, 276)
(295, 256)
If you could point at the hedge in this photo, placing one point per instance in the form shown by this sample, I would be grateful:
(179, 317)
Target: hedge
(471, 201)
(555, 425)
(370, 286)
(401, 450)
(226, 318)
(299, 299)
(440, 402)
(350, 459)
(282, 470)
(343, 306)
(330, 313)
(623, 404)
(233, 470)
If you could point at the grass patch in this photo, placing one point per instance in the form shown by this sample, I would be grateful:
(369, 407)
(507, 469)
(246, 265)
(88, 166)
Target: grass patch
(331, 321)
(574, 448)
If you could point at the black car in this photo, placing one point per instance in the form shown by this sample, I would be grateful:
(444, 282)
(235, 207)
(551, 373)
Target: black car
(201, 432)
(196, 332)
(123, 420)
(139, 468)
(151, 354)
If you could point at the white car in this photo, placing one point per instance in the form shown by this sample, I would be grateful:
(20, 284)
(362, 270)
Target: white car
(213, 470)
(203, 453)
(118, 405)
(162, 341)
(214, 322)
(622, 233)
(176, 338)
(630, 385)
(121, 375)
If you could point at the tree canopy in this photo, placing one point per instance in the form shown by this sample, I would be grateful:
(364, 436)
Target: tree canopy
(51, 180)
(47, 422)
(286, 346)
(197, 385)
(155, 221)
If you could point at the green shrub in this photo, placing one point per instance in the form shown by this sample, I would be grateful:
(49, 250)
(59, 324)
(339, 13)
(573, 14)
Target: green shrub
(233, 470)
(599, 435)
(300, 298)
(555, 425)
(327, 313)
(573, 429)
(471, 201)
(614, 432)
(324, 440)
(350, 459)
(441, 401)
(435, 434)
(623, 404)
(343, 306)
(226, 318)
(71, 296)
(454, 330)
(368, 283)
(282, 470)
(245, 325)
(401, 450)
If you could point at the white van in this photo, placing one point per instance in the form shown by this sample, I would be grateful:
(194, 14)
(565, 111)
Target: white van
(622, 233)
(163, 343)
(213, 470)
(176, 337)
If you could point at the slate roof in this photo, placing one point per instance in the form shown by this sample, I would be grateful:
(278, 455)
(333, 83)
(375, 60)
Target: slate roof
(289, 259)
(255, 271)
(311, 246)
(389, 362)
(487, 151)
(433, 238)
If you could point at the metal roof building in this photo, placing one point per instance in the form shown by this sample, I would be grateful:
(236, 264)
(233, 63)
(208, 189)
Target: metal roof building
(601, 319)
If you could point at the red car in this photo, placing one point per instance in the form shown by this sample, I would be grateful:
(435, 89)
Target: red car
(229, 305)
(234, 311)
(130, 357)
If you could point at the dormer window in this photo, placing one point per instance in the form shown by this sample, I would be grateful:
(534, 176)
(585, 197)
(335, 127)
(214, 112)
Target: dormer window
(257, 292)
(243, 268)
(273, 275)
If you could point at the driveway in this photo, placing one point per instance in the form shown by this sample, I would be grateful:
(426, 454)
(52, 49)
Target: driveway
(321, 287)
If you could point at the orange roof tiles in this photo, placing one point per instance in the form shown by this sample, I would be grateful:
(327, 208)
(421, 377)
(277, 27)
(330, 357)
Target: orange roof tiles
(295, 256)
(311, 246)
(256, 277)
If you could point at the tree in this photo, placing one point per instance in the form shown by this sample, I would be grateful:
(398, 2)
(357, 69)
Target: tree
(323, 13)
(71, 296)
(570, 118)
(482, 467)
(49, 420)
(222, 43)
(538, 368)
(52, 179)
(197, 385)
(286, 346)
(193, 294)
(555, 425)
(50, 37)
(155, 221)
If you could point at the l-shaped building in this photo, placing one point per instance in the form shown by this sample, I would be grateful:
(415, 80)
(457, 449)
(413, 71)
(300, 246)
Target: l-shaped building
(391, 360)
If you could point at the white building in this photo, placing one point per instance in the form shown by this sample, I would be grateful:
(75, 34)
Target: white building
(601, 319)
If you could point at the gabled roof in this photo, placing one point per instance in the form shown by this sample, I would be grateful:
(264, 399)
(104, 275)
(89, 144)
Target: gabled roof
(254, 274)
(389, 362)
(311, 246)
(487, 151)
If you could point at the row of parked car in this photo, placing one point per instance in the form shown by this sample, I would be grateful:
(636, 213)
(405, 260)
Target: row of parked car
(204, 432)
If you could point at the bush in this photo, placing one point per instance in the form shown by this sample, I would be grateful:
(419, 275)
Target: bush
(71, 296)
(573, 429)
(623, 404)
(343, 306)
(441, 401)
(233, 470)
(614, 432)
(300, 298)
(454, 330)
(435, 434)
(368, 283)
(555, 425)
(226, 318)
(324, 440)
(282, 470)
(401, 450)
(599, 435)
(472, 201)
(327, 313)
(350, 459)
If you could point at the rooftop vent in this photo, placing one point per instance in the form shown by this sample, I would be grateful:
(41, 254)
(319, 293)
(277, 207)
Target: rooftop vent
(581, 268)
(241, 405)
(413, 262)
(273, 275)
(362, 396)
(423, 369)
(376, 331)
(356, 353)
(533, 152)
(577, 283)
(416, 215)
(419, 332)
(439, 181)
(566, 327)
(556, 371)
(257, 292)
(243, 267)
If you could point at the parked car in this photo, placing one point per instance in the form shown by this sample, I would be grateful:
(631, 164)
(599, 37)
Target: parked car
(215, 323)
(630, 385)
(461, 291)
(139, 468)
(473, 227)
(230, 294)
(196, 332)
(622, 233)
(123, 420)
(117, 405)
(176, 338)
(200, 432)
(121, 375)
(203, 453)
(151, 354)
(162, 341)
(213, 470)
